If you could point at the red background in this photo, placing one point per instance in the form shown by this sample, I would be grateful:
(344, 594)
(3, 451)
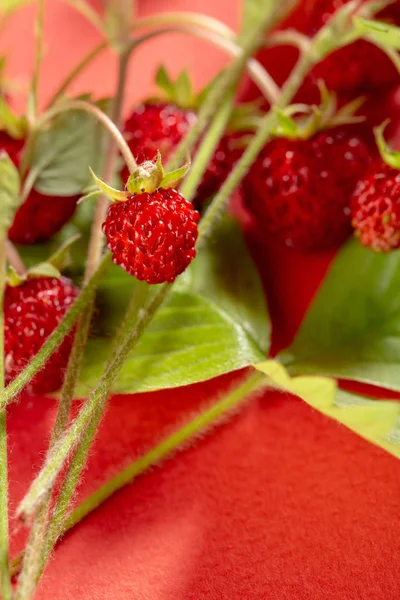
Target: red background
(280, 503)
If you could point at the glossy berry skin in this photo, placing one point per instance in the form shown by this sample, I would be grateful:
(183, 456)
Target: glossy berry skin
(156, 127)
(32, 311)
(227, 153)
(375, 208)
(40, 216)
(299, 190)
(152, 236)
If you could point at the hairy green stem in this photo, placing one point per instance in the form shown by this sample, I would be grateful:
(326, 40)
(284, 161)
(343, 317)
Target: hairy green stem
(56, 338)
(78, 462)
(34, 553)
(229, 402)
(207, 149)
(5, 582)
(33, 94)
(94, 404)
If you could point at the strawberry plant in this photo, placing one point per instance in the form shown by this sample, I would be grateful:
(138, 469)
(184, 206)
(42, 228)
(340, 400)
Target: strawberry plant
(158, 295)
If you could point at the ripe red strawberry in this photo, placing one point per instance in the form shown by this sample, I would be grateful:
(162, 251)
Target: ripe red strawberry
(299, 190)
(32, 311)
(152, 235)
(375, 208)
(40, 216)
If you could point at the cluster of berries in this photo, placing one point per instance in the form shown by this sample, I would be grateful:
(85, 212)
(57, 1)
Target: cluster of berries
(308, 193)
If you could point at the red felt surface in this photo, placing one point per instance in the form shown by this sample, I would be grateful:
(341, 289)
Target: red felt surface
(280, 503)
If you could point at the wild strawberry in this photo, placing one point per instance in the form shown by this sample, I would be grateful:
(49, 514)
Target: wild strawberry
(151, 229)
(299, 190)
(32, 310)
(40, 216)
(375, 208)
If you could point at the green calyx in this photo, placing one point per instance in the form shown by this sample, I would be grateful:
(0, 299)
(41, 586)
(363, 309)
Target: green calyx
(389, 156)
(179, 92)
(302, 121)
(146, 178)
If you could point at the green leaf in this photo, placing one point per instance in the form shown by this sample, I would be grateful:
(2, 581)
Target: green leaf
(14, 125)
(9, 191)
(214, 322)
(352, 329)
(225, 274)
(254, 11)
(64, 151)
(381, 33)
(377, 421)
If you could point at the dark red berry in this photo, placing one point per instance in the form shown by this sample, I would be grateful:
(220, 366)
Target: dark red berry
(40, 216)
(156, 127)
(228, 152)
(32, 311)
(152, 236)
(375, 208)
(300, 190)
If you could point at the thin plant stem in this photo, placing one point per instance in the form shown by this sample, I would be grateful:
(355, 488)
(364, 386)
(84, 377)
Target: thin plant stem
(209, 417)
(14, 258)
(94, 404)
(207, 149)
(33, 559)
(5, 582)
(33, 94)
(79, 459)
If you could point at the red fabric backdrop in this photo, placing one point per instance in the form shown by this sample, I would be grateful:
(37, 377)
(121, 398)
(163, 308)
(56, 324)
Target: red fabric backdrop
(280, 503)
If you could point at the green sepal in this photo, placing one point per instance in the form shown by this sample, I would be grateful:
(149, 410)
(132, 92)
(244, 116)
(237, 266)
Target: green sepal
(171, 180)
(14, 279)
(147, 177)
(389, 156)
(112, 193)
(15, 126)
(179, 92)
(302, 121)
(44, 269)
(9, 191)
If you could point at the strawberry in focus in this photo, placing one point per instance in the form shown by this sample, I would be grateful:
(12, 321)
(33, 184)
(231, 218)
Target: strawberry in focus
(32, 310)
(152, 236)
(150, 228)
(299, 190)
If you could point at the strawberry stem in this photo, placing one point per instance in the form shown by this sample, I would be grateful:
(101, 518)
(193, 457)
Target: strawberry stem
(14, 259)
(5, 582)
(33, 94)
(35, 554)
